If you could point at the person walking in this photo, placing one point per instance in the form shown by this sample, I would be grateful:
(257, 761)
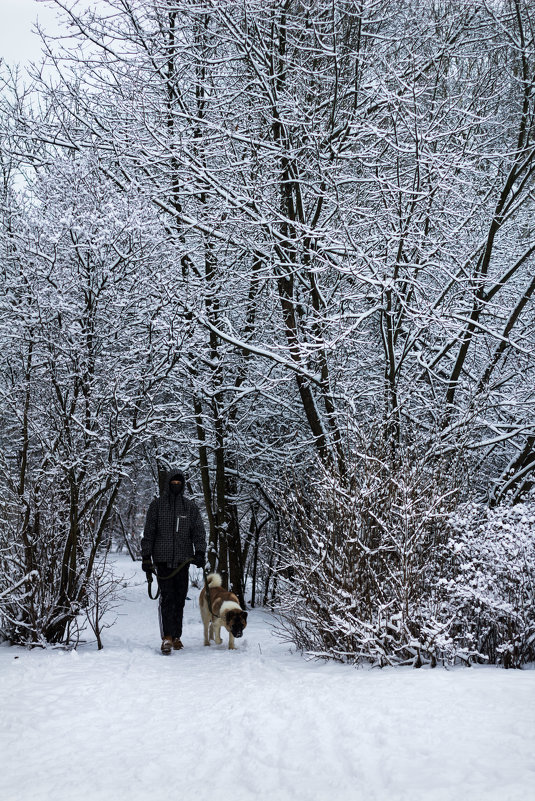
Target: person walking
(174, 533)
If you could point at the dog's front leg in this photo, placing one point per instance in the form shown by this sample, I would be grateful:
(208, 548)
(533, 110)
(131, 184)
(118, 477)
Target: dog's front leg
(231, 642)
(217, 632)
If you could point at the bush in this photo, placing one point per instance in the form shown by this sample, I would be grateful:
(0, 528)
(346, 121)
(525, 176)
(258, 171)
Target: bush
(380, 568)
(490, 589)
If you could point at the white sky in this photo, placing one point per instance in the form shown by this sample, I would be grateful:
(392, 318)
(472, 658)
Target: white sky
(18, 44)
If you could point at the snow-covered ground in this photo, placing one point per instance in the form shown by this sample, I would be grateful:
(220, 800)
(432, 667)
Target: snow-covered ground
(258, 723)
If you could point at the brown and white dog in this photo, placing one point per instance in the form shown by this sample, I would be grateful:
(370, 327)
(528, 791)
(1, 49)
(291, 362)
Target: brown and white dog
(226, 612)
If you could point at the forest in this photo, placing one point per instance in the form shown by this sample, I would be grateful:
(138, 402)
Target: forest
(289, 247)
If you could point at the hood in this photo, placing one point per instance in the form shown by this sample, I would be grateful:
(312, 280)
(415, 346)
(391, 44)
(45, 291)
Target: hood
(172, 474)
(176, 474)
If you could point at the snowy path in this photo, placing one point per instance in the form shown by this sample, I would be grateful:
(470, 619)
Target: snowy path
(256, 724)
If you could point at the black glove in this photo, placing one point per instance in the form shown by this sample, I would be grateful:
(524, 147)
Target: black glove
(148, 567)
(199, 560)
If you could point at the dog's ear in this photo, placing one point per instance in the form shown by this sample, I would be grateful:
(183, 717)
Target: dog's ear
(244, 615)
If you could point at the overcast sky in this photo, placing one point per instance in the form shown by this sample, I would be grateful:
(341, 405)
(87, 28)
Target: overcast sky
(17, 17)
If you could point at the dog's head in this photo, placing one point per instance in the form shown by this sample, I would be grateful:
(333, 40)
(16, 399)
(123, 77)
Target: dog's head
(236, 621)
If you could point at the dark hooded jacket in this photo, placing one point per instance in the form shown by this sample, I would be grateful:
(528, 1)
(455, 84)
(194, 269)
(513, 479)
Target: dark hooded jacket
(174, 529)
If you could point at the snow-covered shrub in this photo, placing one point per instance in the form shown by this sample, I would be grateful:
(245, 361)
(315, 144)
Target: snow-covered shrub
(44, 587)
(103, 591)
(382, 569)
(489, 589)
(361, 554)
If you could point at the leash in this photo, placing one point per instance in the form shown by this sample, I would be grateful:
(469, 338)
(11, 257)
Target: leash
(174, 573)
(163, 578)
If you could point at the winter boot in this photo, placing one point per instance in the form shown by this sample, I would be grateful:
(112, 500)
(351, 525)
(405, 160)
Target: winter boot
(167, 644)
(177, 644)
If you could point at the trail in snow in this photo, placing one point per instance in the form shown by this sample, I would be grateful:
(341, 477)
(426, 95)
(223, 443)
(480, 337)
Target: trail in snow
(256, 723)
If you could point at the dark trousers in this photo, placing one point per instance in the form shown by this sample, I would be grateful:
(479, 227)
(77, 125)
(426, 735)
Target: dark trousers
(173, 593)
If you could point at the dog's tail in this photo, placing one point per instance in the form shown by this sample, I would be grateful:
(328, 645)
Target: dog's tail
(214, 580)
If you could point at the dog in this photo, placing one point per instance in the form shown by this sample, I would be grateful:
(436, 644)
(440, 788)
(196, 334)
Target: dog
(226, 612)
